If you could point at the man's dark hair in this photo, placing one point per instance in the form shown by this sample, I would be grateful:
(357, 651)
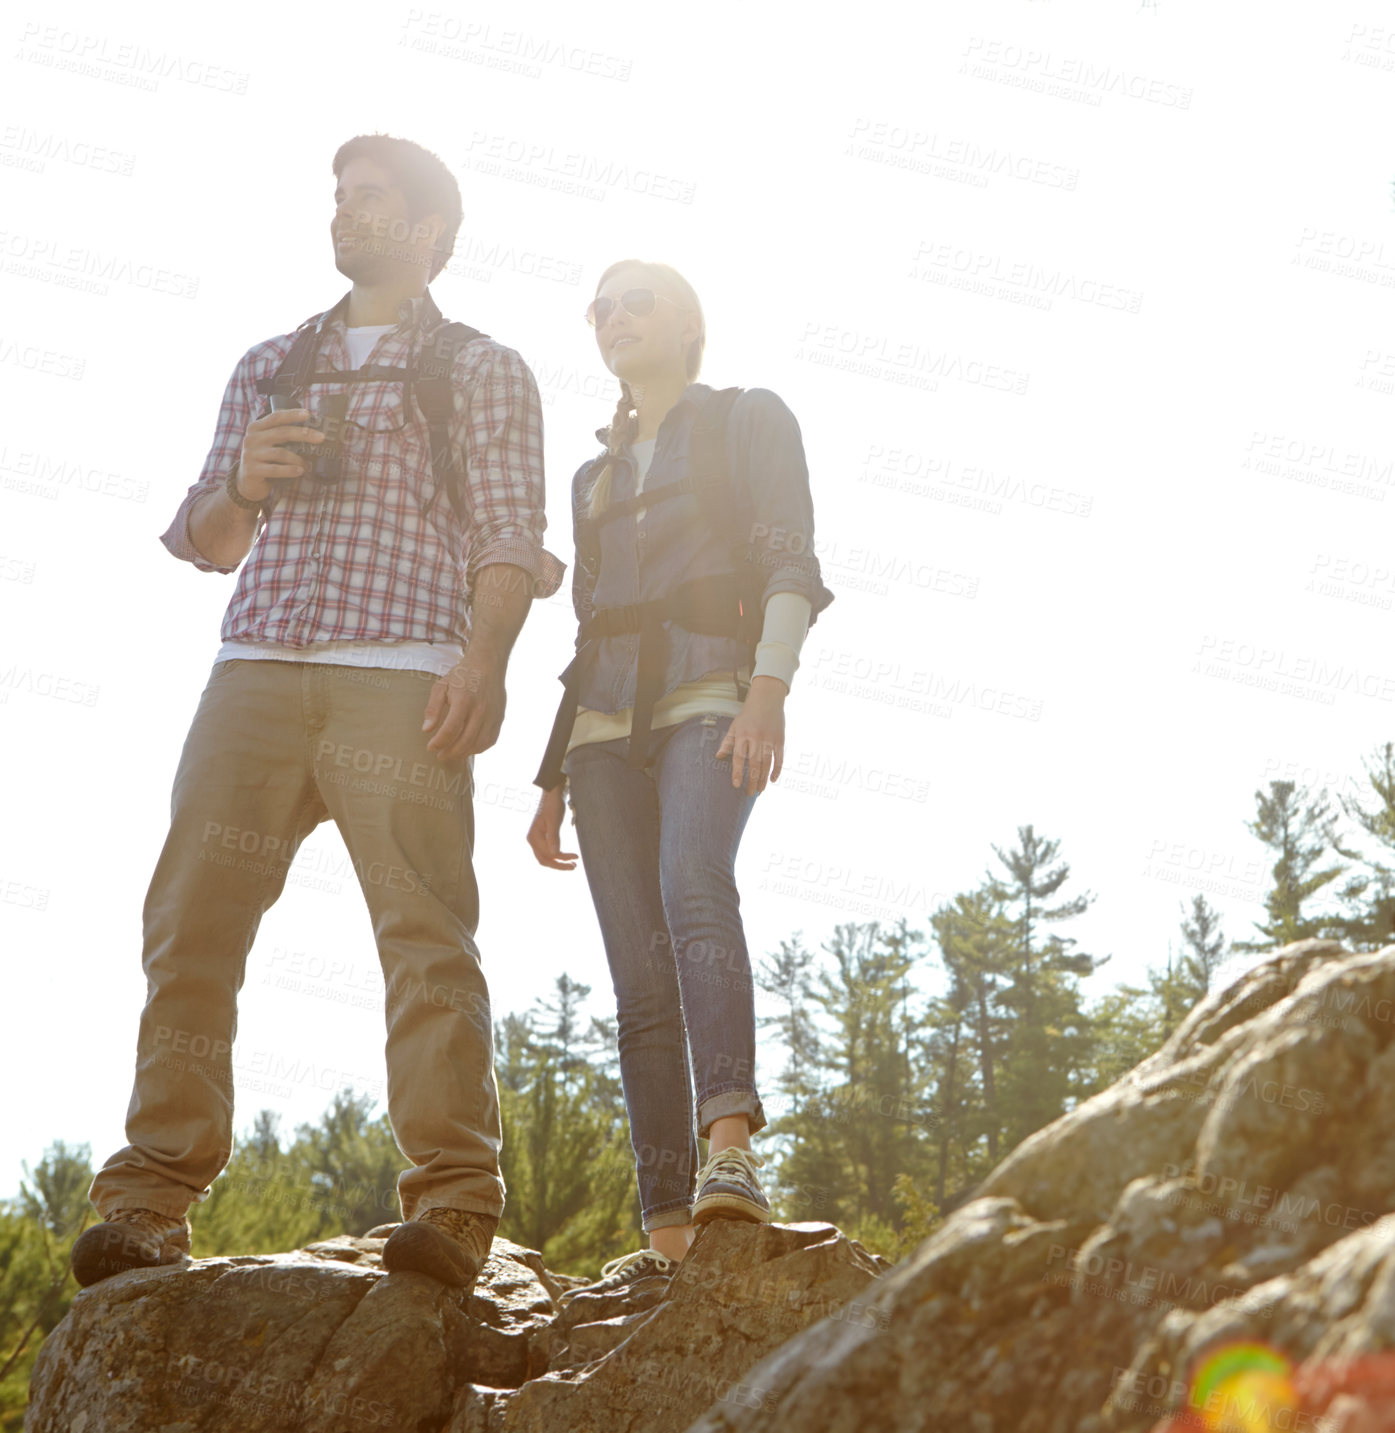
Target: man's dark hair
(429, 187)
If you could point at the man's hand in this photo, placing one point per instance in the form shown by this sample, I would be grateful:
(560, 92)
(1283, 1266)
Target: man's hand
(545, 834)
(467, 704)
(221, 530)
(756, 735)
(264, 461)
(466, 709)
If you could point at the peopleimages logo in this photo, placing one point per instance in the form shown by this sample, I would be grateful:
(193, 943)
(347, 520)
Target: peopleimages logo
(572, 171)
(437, 32)
(53, 261)
(1065, 77)
(124, 61)
(25, 148)
(925, 151)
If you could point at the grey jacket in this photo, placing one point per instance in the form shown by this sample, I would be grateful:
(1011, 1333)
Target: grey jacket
(674, 542)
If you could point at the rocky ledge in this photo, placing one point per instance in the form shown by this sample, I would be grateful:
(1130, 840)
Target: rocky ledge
(1208, 1244)
(323, 1341)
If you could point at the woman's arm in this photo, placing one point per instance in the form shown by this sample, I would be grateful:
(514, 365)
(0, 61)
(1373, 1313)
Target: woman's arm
(586, 569)
(765, 454)
(782, 636)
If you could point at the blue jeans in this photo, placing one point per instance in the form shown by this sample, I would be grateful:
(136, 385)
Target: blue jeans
(659, 849)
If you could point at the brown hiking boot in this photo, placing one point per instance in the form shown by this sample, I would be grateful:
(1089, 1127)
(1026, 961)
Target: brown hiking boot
(449, 1244)
(129, 1239)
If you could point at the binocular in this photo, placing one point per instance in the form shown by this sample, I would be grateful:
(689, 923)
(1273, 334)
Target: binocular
(325, 459)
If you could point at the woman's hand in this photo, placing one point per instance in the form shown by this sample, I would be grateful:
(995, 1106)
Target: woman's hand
(545, 834)
(756, 735)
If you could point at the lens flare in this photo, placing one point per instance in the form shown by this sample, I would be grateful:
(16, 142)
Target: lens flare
(1244, 1388)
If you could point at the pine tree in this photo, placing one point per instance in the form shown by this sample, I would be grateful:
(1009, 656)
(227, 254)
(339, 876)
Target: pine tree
(1205, 947)
(37, 1231)
(1127, 1028)
(947, 1045)
(1368, 898)
(265, 1201)
(1049, 1046)
(857, 1114)
(565, 1158)
(557, 1024)
(54, 1193)
(354, 1164)
(1299, 830)
(787, 977)
(976, 938)
(1173, 993)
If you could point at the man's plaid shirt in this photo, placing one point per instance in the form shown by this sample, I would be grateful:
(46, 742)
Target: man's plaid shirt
(374, 557)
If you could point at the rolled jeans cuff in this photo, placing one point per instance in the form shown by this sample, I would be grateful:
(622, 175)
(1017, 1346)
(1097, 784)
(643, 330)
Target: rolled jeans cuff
(667, 1218)
(732, 1100)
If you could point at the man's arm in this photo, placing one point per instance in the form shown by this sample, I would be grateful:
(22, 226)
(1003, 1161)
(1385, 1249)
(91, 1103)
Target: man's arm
(209, 529)
(498, 424)
(223, 530)
(468, 703)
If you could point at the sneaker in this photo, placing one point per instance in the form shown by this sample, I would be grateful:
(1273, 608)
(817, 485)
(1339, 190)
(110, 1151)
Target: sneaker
(729, 1188)
(627, 1269)
(129, 1239)
(449, 1244)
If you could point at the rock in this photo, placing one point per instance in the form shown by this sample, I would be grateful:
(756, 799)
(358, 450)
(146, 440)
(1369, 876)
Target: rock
(1238, 1188)
(591, 1325)
(320, 1340)
(1232, 1189)
(741, 1292)
(323, 1341)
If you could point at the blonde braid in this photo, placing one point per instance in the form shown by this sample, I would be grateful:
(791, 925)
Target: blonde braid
(623, 427)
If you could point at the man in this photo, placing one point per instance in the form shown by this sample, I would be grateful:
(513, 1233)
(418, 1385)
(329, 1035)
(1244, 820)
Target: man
(362, 666)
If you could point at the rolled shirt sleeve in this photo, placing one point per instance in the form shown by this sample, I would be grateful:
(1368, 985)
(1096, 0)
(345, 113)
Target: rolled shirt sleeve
(238, 409)
(498, 418)
(765, 452)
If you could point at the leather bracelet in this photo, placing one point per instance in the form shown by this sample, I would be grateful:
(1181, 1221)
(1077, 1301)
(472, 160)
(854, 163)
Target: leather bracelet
(248, 503)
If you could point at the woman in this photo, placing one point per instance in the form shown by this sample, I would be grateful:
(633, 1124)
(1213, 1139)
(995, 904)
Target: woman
(694, 585)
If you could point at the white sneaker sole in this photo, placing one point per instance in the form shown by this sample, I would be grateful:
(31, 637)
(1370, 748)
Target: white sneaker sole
(729, 1206)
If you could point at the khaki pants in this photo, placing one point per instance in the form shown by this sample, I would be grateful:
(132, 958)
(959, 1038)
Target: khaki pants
(275, 748)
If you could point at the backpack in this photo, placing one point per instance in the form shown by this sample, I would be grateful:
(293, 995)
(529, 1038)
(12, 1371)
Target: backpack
(726, 510)
(725, 604)
(430, 377)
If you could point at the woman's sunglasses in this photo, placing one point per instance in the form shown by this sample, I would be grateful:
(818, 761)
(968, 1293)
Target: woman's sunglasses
(638, 302)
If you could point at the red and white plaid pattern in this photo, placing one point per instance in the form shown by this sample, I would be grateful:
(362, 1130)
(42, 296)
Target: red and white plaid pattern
(366, 558)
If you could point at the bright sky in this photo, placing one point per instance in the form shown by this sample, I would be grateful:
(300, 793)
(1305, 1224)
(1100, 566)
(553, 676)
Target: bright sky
(1084, 310)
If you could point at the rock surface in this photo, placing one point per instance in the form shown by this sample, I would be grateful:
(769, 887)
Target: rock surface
(1232, 1190)
(323, 1341)
(1238, 1188)
(742, 1291)
(320, 1340)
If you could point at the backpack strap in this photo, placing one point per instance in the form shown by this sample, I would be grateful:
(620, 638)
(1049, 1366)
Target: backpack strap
(708, 450)
(648, 500)
(708, 475)
(369, 373)
(430, 376)
(293, 375)
(584, 529)
(726, 506)
(436, 398)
